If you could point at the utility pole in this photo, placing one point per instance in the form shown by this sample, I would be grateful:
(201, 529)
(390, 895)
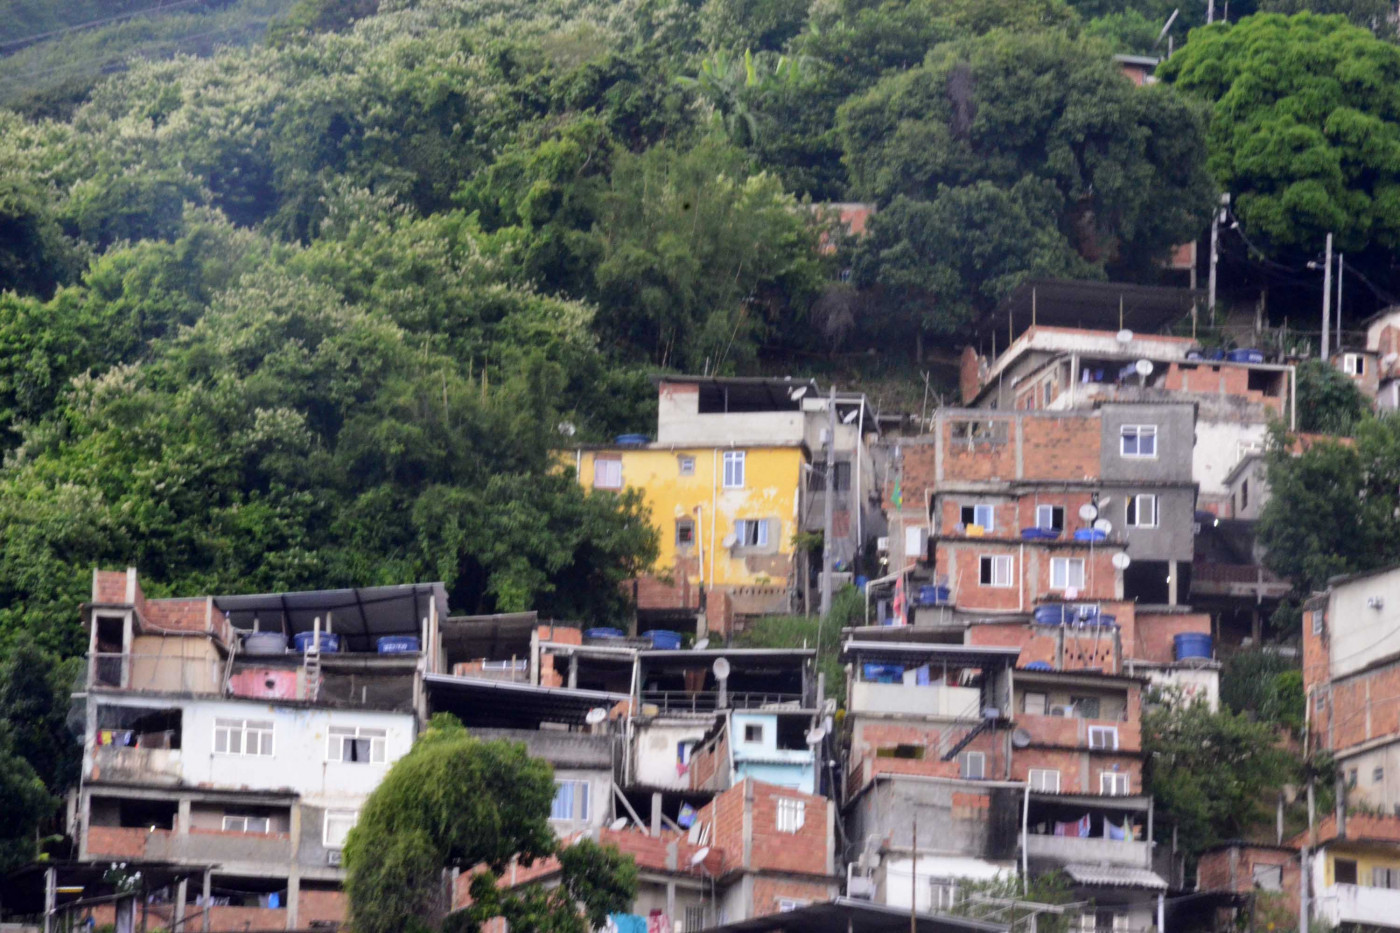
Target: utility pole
(1341, 263)
(914, 876)
(1327, 298)
(829, 503)
(1210, 12)
(1216, 220)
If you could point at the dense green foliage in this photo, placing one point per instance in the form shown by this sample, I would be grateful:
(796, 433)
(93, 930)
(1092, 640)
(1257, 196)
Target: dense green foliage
(1328, 401)
(454, 800)
(1332, 507)
(1265, 685)
(1306, 128)
(1209, 773)
(824, 635)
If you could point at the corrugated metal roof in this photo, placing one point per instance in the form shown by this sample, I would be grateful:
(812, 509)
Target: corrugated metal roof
(1115, 876)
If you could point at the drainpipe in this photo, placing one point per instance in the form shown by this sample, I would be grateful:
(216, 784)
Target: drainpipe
(714, 516)
(859, 496)
(1025, 839)
(700, 540)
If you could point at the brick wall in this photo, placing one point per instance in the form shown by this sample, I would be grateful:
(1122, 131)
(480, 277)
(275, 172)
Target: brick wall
(118, 841)
(1360, 708)
(806, 851)
(1084, 648)
(969, 374)
(1073, 732)
(322, 906)
(1079, 772)
(709, 766)
(109, 586)
(769, 893)
(1209, 379)
(869, 736)
(1317, 653)
(1060, 448)
(960, 559)
(1155, 634)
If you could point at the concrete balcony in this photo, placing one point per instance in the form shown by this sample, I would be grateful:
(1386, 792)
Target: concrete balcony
(1358, 904)
(941, 702)
(199, 845)
(1067, 850)
(561, 749)
(161, 766)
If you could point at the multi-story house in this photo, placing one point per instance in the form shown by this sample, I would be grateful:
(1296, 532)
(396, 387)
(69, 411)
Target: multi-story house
(737, 471)
(209, 743)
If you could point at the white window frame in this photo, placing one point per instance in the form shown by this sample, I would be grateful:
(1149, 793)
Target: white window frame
(1113, 784)
(980, 509)
(1317, 617)
(331, 818)
(741, 533)
(1003, 570)
(519, 664)
(1354, 364)
(1060, 575)
(791, 814)
(1044, 703)
(1133, 509)
(336, 737)
(734, 469)
(1138, 433)
(1048, 519)
(582, 791)
(1044, 779)
(1101, 732)
(942, 895)
(685, 465)
(245, 729)
(685, 545)
(965, 768)
(239, 823)
(607, 473)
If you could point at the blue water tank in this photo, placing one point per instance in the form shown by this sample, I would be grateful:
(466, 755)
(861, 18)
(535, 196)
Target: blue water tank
(1245, 355)
(1039, 666)
(1192, 645)
(1089, 534)
(663, 640)
(330, 642)
(633, 440)
(399, 644)
(930, 595)
(1052, 615)
(604, 633)
(861, 581)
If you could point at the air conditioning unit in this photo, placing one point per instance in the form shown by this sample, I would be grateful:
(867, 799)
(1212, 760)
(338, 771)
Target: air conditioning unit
(863, 888)
(333, 857)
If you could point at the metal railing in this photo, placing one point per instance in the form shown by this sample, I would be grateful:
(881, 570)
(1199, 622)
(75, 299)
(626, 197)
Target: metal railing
(705, 701)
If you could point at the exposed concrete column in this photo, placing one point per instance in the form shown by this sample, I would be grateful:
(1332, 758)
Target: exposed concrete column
(1171, 582)
(181, 892)
(671, 898)
(573, 671)
(656, 814)
(293, 896)
(204, 917)
(748, 830)
(50, 897)
(1020, 447)
(182, 818)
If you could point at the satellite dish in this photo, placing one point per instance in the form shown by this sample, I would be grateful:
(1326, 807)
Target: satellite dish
(702, 644)
(1143, 367)
(815, 736)
(567, 428)
(729, 540)
(1104, 500)
(826, 724)
(1088, 513)
(596, 715)
(1020, 738)
(721, 668)
(1121, 560)
(1103, 525)
(797, 393)
(699, 856)
(850, 416)
(618, 824)
(1124, 336)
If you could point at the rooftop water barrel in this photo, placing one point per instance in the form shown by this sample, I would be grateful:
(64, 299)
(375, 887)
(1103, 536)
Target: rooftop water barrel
(330, 642)
(663, 640)
(633, 440)
(1051, 615)
(262, 644)
(1245, 355)
(398, 644)
(1192, 645)
(604, 633)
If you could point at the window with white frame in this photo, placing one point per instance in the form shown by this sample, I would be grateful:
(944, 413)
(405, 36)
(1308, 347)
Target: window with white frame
(943, 895)
(570, 801)
(1044, 779)
(694, 919)
(1138, 440)
(792, 813)
(607, 474)
(355, 745)
(1385, 877)
(734, 469)
(1113, 784)
(1317, 618)
(685, 463)
(751, 532)
(337, 826)
(259, 825)
(753, 732)
(1103, 737)
(984, 516)
(996, 570)
(243, 737)
(1142, 511)
(1066, 573)
(1354, 364)
(1035, 703)
(1050, 517)
(972, 766)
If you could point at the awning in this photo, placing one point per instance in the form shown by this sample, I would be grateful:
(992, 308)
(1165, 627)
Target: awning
(917, 653)
(847, 915)
(360, 616)
(1146, 309)
(1115, 876)
(496, 637)
(501, 704)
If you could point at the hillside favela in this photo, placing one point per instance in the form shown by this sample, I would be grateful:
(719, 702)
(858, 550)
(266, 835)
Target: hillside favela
(699, 466)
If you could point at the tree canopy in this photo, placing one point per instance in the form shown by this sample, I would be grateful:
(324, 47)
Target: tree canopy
(455, 800)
